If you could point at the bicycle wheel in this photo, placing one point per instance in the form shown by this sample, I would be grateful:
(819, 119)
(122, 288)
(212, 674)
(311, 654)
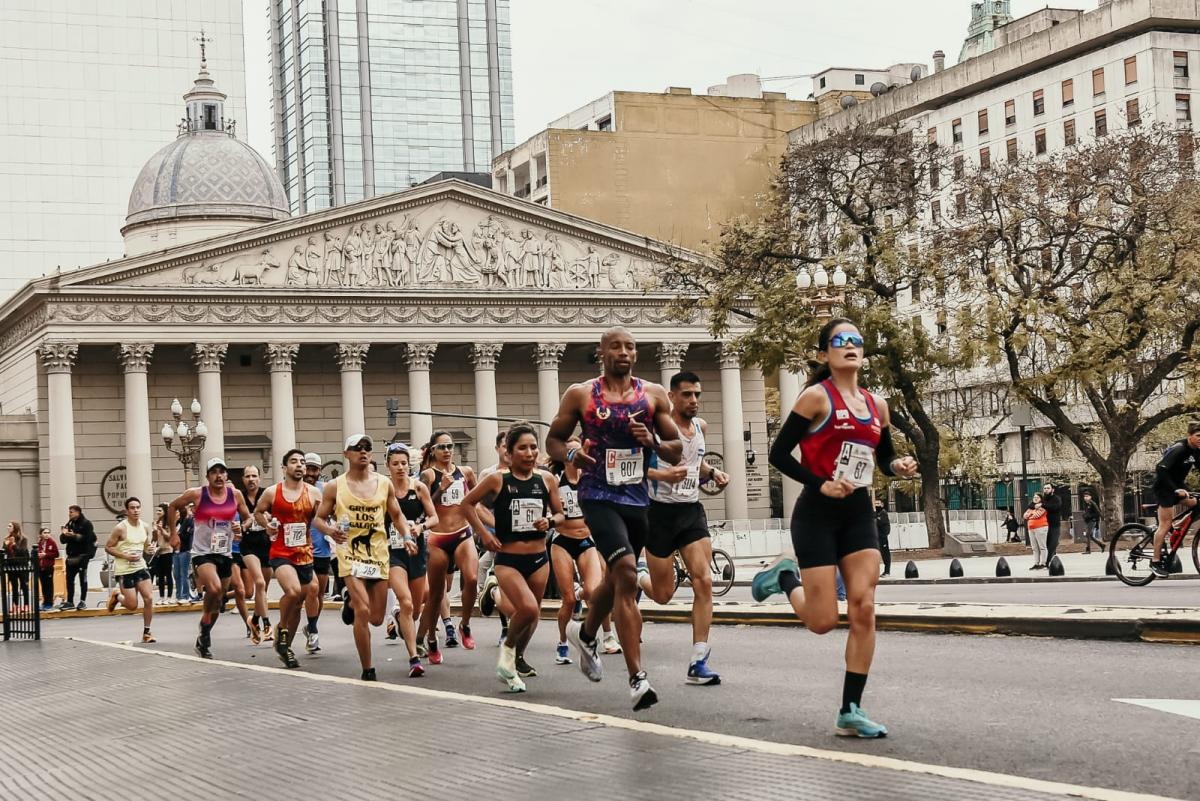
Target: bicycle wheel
(1130, 552)
(722, 572)
(1196, 551)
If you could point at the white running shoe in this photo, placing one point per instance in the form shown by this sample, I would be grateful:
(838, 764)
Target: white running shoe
(589, 659)
(611, 644)
(312, 641)
(641, 692)
(506, 665)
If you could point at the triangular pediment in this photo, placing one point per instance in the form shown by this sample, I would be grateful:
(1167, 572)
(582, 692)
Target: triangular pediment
(446, 236)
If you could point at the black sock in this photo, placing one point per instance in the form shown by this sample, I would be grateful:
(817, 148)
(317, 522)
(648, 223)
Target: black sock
(312, 625)
(583, 635)
(852, 689)
(414, 660)
(788, 581)
(503, 621)
(255, 619)
(266, 621)
(145, 629)
(205, 628)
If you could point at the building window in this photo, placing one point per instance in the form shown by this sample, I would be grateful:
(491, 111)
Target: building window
(1039, 141)
(985, 158)
(983, 123)
(1181, 64)
(960, 204)
(604, 123)
(1012, 150)
(1069, 132)
(822, 82)
(1130, 70)
(1068, 93)
(935, 177)
(1132, 115)
(931, 134)
(210, 117)
(935, 210)
(1010, 112)
(959, 169)
(1098, 82)
(956, 132)
(1039, 103)
(859, 79)
(1101, 123)
(1183, 108)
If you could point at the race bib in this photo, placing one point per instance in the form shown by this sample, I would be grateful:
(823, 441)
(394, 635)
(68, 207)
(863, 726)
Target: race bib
(453, 495)
(222, 535)
(395, 539)
(690, 482)
(525, 512)
(295, 535)
(856, 463)
(365, 570)
(569, 498)
(623, 466)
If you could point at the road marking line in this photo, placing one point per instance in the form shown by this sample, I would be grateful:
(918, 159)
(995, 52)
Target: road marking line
(712, 738)
(1175, 706)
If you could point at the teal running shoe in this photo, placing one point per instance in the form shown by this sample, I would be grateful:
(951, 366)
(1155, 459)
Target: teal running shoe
(766, 581)
(855, 723)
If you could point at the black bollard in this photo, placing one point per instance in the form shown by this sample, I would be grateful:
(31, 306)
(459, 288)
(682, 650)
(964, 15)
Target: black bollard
(1109, 570)
(1002, 568)
(910, 570)
(956, 569)
(1056, 566)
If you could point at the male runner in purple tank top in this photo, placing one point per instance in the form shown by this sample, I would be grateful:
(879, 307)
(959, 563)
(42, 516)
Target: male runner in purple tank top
(623, 420)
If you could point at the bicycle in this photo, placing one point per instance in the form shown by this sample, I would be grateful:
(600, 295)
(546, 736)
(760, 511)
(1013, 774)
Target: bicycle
(1132, 548)
(720, 567)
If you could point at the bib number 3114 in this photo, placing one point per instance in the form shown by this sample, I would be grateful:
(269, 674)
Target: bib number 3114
(856, 462)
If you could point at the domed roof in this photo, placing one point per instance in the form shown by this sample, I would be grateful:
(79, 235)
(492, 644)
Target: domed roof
(206, 174)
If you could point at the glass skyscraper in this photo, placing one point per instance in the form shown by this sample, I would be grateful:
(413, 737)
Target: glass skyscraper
(374, 96)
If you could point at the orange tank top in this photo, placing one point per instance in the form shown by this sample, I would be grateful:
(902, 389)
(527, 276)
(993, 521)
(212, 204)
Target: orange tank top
(292, 540)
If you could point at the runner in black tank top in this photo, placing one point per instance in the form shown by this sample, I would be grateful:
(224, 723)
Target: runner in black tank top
(256, 561)
(524, 501)
(407, 553)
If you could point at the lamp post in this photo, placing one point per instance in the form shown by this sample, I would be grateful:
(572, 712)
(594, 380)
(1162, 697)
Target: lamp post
(186, 442)
(815, 287)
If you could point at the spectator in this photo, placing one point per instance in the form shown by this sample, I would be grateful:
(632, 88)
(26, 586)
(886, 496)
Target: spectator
(883, 527)
(1012, 526)
(182, 558)
(1037, 519)
(78, 535)
(162, 566)
(1053, 506)
(16, 546)
(1091, 523)
(47, 551)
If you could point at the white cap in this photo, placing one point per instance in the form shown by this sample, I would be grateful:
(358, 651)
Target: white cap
(353, 440)
(313, 459)
(216, 461)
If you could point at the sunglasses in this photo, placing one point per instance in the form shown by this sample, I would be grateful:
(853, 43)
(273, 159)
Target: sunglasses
(397, 447)
(360, 448)
(846, 339)
(444, 446)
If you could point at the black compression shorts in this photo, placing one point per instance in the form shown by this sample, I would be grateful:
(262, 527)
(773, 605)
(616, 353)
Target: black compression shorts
(223, 563)
(303, 572)
(824, 529)
(130, 580)
(574, 547)
(618, 529)
(255, 543)
(674, 525)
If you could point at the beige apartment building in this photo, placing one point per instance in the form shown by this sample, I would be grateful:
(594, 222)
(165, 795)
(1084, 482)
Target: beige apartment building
(674, 166)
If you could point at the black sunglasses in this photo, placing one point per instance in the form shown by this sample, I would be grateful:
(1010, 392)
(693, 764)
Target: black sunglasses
(360, 447)
(444, 446)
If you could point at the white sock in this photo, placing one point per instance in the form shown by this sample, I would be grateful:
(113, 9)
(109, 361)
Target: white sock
(699, 651)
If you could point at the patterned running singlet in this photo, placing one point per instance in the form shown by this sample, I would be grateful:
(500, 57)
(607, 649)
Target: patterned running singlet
(619, 474)
(214, 524)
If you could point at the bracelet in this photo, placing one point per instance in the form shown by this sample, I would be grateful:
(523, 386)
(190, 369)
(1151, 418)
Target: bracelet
(571, 455)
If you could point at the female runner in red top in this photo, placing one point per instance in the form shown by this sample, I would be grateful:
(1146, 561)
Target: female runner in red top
(842, 431)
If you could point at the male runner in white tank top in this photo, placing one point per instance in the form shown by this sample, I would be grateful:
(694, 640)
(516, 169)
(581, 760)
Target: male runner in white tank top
(127, 545)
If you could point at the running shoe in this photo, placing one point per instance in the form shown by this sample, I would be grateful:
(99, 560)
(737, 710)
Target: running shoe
(766, 581)
(415, 670)
(563, 654)
(268, 634)
(112, 602)
(524, 669)
(255, 633)
(503, 637)
(468, 641)
(641, 692)
(611, 644)
(347, 613)
(589, 660)
(642, 570)
(515, 685)
(284, 652)
(506, 665)
(435, 654)
(1156, 567)
(312, 641)
(368, 674)
(487, 603)
(698, 673)
(855, 723)
(451, 636)
(146, 637)
(202, 648)
(66, 606)
(422, 651)
(393, 631)
(577, 612)
(80, 606)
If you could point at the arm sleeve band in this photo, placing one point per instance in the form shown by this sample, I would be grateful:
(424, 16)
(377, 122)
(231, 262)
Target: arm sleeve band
(781, 457)
(885, 454)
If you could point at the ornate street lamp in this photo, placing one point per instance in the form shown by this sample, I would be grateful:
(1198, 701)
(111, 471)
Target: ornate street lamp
(186, 442)
(815, 287)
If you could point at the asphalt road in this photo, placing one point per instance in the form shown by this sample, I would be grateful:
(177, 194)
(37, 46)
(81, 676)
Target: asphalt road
(1032, 707)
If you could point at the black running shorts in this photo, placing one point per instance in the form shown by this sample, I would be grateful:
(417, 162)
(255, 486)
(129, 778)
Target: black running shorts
(826, 529)
(130, 580)
(303, 572)
(255, 543)
(223, 563)
(416, 565)
(321, 565)
(574, 547)
(618, 529)
(674, 525)
(526, 563)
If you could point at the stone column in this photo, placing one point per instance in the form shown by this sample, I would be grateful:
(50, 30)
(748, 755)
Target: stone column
(548, 355)
(58, 358)
(419, 356)
(135, 361)
(208, 358)
(351, 356)
(281, 358)
(733, 448)
(484, 357)
(790, 386)
(670, 359)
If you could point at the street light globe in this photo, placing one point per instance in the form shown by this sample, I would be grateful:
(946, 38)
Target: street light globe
(183, 431)
(167, 433)
(176, 407)
(803, 280)
(821, 278)
(201, 429)
(195, 406)
(839, 277)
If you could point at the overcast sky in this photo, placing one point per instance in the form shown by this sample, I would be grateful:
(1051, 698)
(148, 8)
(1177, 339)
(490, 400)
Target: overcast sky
(569, 52)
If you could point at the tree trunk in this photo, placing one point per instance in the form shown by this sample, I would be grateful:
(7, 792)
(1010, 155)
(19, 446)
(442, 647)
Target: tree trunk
(935, 514)
(1112, 502)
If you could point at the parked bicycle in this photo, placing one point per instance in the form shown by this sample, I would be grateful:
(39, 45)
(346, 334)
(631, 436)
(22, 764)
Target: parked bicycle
(720, 567)
(1132, 548)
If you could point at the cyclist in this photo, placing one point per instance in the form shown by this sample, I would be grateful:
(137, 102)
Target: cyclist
(1169, 475)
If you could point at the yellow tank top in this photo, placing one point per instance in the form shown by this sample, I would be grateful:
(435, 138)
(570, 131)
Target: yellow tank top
(132, 547)
(365, 554)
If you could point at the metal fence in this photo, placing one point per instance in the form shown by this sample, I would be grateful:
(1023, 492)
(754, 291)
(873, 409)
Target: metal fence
(20, 602)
